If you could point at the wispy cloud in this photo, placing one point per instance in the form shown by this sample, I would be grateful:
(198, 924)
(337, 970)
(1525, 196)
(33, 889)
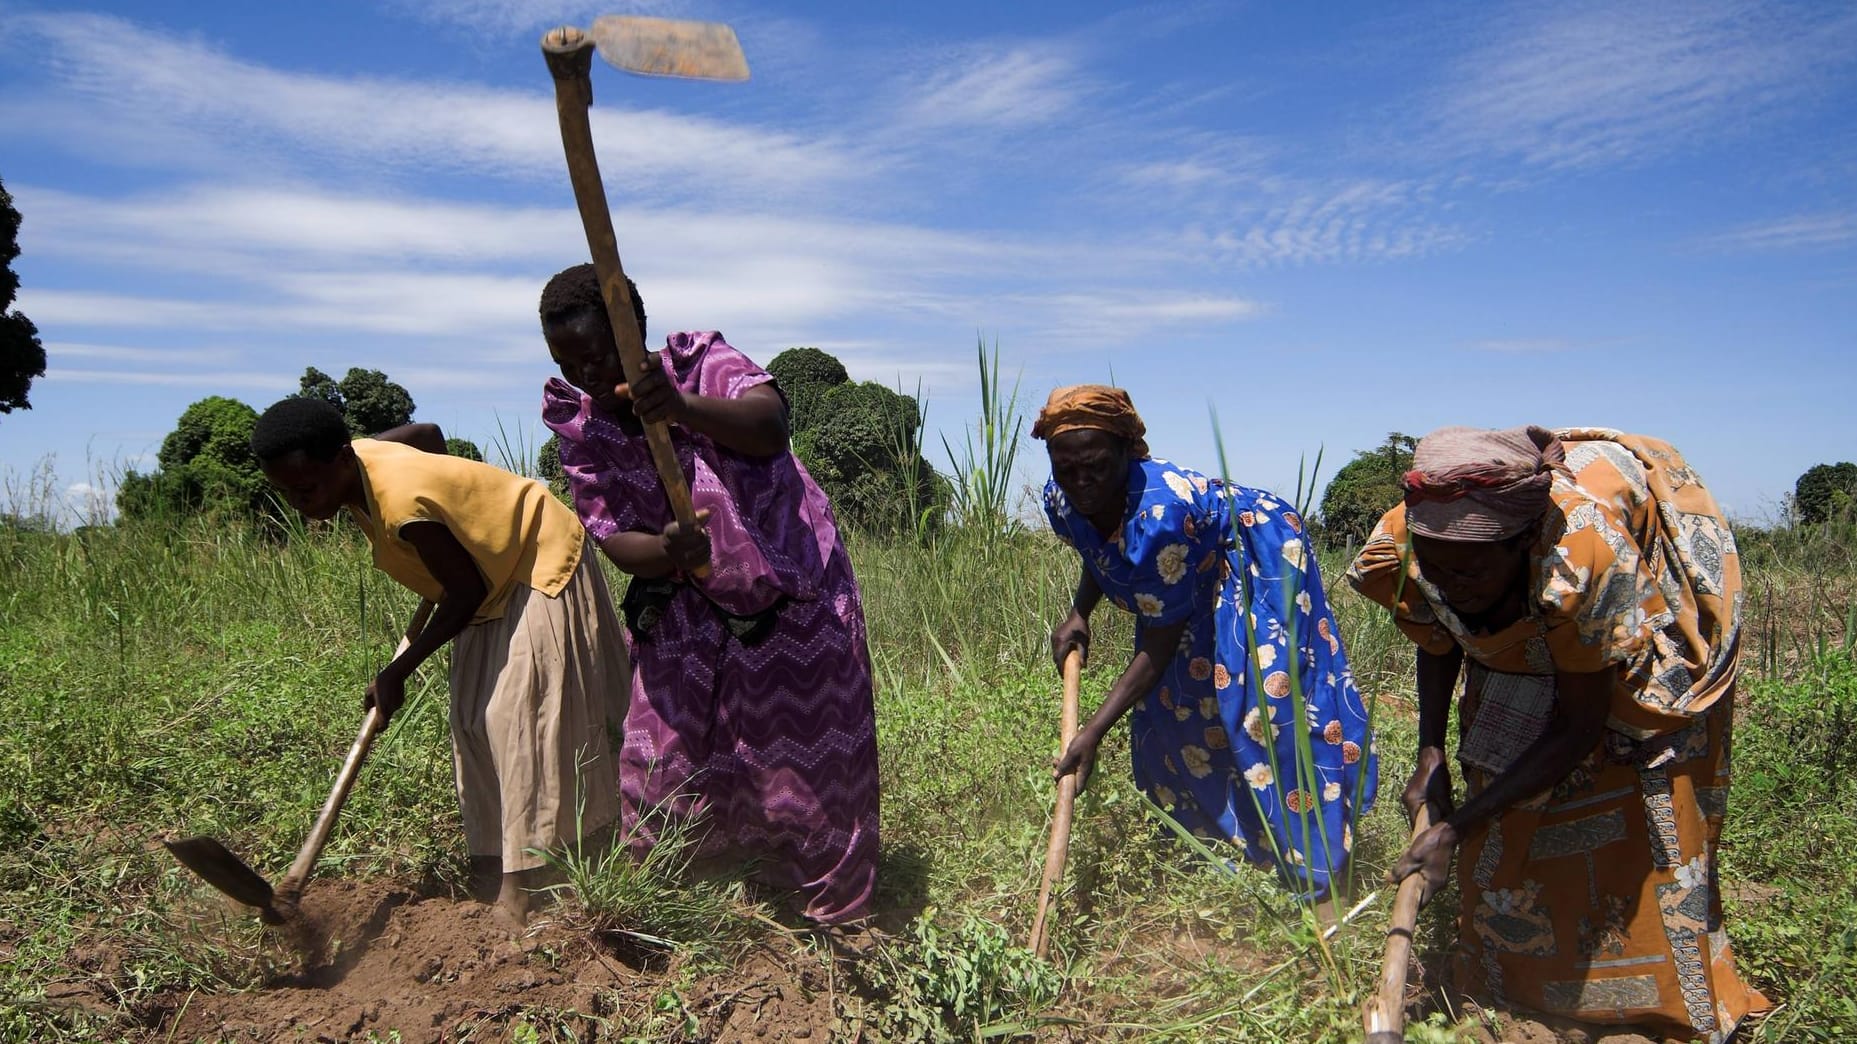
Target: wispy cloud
(1065, 320)
(147, 84)
(180, 378)
(1027, 84)
(426, 267)
(1363, 221)
(1581, 85)
(1800, 232)
(63, 350)
(510, 16)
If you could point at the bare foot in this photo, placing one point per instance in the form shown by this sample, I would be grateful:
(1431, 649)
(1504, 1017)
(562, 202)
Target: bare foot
(486, 877)
(522, 891)
(513, 911)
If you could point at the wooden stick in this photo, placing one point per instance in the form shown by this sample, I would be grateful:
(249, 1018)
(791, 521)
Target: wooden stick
(1384, 1014)
(291, 886)
(570, 57)
(1059, 848)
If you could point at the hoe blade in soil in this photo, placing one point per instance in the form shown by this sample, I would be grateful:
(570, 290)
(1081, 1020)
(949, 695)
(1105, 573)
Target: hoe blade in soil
(218, 867)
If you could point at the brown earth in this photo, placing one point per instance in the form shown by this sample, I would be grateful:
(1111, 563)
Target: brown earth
(379, 961)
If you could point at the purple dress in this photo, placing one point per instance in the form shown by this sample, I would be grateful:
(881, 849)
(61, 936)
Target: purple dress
(768, 729)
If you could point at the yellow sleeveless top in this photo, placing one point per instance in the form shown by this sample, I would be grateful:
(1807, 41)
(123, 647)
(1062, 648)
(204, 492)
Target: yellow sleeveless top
(512, 527)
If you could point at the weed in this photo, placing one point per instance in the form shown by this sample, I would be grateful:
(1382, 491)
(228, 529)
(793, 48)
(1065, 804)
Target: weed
(968, 983)
(646, 893)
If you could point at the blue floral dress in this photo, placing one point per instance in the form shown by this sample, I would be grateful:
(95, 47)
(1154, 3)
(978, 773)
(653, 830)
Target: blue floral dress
(1215, 743)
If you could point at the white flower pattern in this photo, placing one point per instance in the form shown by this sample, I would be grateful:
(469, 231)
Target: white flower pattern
(1171, 563)
(1213, 739)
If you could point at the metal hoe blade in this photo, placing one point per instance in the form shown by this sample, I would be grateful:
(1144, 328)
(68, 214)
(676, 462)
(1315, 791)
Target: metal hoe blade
(218, 867)
(666, 47)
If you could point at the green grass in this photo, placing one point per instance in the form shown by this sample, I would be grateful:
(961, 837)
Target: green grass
(197, 677)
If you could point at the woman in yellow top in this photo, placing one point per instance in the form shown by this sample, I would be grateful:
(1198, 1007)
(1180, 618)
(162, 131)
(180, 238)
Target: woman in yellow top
(1590, 585)
(539, 677)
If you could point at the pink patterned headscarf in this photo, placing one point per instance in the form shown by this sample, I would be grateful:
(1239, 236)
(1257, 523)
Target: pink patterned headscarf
(1471, 484)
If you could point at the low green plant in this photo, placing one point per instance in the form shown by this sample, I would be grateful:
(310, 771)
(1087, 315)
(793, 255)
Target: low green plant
(1788, 858)
(649, 896)
(968, 982)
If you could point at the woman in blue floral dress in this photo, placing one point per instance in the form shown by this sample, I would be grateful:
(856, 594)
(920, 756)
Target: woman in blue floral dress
(1246, 725)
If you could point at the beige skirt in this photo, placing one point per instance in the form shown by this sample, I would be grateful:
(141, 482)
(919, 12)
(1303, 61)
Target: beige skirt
(538, 702)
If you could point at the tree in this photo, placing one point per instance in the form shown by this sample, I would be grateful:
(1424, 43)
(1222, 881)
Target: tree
(860, 440)
(463, 448)
(1365, 488)
(804, 376)
(1824, 492)
(205, 465)
(548, 465)
(22, 356)
(369, 401)
(315, 384)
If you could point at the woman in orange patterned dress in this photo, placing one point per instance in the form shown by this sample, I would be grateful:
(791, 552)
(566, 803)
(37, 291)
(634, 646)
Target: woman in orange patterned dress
(1591, 586)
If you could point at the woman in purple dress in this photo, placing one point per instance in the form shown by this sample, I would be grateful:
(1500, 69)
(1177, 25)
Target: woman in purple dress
(751, 690)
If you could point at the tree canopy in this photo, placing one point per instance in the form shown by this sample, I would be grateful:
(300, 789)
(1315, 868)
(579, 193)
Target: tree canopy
(1824, 492)
(205, 465)
(860, 440)
(805, 375)
(22, 356)
(548, 465)
(369, 401)
(1365, 488)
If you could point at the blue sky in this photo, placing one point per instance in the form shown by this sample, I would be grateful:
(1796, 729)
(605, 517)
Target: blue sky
(1323, 221)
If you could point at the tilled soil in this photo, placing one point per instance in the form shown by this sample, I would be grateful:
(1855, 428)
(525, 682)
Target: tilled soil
(380, 962)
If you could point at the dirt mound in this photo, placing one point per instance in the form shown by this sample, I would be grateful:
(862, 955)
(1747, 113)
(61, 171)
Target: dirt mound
(383, 961)
(376, 961)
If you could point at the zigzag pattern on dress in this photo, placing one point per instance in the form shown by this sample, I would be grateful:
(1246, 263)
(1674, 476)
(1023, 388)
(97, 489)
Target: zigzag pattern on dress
(775, 743)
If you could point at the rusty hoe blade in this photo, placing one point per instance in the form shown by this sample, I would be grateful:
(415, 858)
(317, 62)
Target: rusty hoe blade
(664, 47)
(218, 867)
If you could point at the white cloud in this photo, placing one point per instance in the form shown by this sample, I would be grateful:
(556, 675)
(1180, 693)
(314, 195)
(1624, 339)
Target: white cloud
(1579, 85)
(185, 378)
(1343, 223)
(59, 351)
(151, 84)
(1022, 85)
(511, 16)
(53, 308)
(434, 269)
(1799, 232)
(88, 504)
(1120, 316)
(225, 229)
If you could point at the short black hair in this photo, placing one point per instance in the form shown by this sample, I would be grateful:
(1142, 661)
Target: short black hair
(576, 289)
(313, 427)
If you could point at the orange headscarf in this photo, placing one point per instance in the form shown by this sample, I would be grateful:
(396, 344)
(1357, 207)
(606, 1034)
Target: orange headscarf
(1093, 406)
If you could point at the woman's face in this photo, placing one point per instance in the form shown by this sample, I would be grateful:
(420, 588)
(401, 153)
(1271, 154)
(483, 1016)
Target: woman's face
(1091, 467)
(318, 488)
(582, 345)
(1473, 577)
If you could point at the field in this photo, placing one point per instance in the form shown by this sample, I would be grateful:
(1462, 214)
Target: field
(198, 678)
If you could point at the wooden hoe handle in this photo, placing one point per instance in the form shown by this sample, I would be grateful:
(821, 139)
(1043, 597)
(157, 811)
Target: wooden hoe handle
(569, 53)
(1384, 1014)
(1059, 849)
(292, 885)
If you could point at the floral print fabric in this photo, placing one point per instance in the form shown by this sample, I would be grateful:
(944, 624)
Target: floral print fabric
(1260, 670)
